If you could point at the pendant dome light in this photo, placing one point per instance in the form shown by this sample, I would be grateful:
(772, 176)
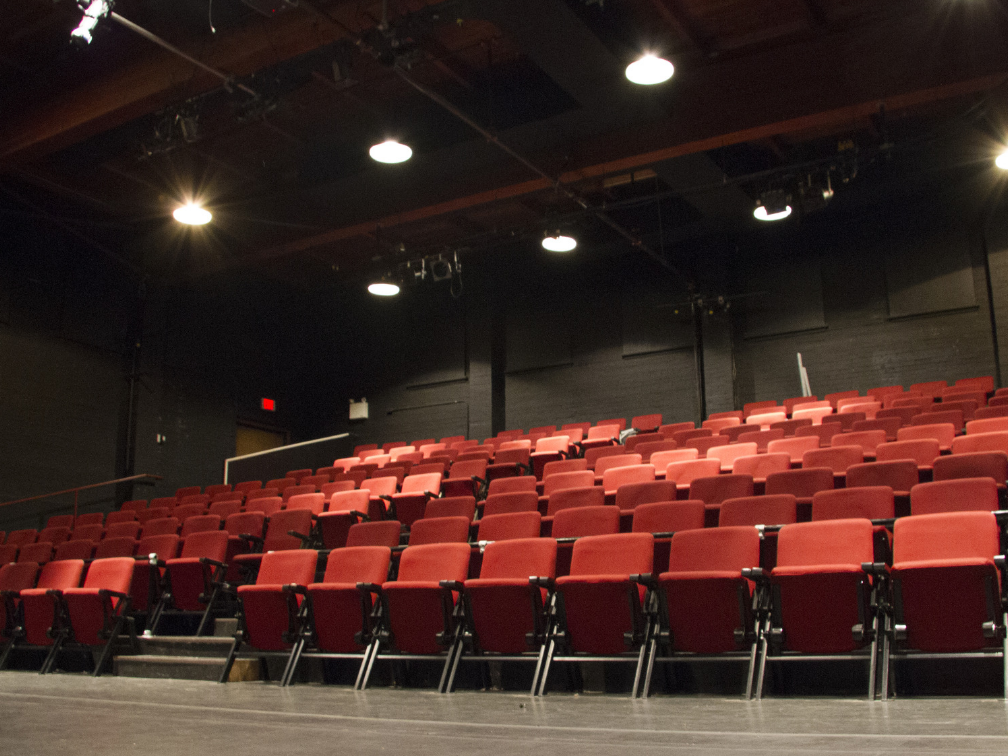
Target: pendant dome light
(649, 70)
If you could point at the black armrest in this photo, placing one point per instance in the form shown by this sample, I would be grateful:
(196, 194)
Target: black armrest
(55, 593)
(369, 587)
(295, 588)
(430, 495)
(477, 479)
(756, 574)
(360, 515)
(885, 522)
(542, 582)
(569, 539)
(212, 562)
(386, 497)
(646, 579)
(454, 585)
(250, 537)
(304, 538)
(103, 592)
(875, 568)
(664, 535)
(999, 562)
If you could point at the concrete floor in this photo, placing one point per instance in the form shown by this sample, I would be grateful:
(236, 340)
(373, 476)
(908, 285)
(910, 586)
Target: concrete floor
(68, 714)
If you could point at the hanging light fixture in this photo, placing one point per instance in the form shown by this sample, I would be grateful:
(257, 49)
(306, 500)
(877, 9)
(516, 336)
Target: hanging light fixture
(383, 288)
(772, 206)
(192, 214)
(650, 69)
(1002, 161)
(557, 242)
(391, 151)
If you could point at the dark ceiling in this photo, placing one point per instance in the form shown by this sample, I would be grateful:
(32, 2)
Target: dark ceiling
(518, 113)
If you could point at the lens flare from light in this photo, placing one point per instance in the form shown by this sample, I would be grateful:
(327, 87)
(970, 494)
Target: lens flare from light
(383, 289)
(192, 214)
(391, 151)
(761, 214)
(1002, 161)
(650, 70)
(559, 243)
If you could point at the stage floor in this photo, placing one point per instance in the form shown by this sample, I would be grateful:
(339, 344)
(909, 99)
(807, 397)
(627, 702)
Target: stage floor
(73, 715)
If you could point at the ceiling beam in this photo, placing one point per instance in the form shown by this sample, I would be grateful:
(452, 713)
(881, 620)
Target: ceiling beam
(836, 118)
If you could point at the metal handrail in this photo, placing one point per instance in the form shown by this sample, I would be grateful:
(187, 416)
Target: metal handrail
(76, 491)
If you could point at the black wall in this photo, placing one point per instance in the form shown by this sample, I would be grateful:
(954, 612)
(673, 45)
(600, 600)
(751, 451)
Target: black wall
(882, 287)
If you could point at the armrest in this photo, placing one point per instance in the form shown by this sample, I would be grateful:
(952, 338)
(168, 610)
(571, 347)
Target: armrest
(569, 539)
(756, 574)
(454, 585)
(211, 562)
(55, 593)
(386, 497)
(885, 522)
(477, 479)
(105, 592)
(430, 495)
(999, 562)
(253, 538)
(362, 516)
(369, 588)
(875, 568)
(542, 582)
(646, 579)
(302, 536)
(295, 588)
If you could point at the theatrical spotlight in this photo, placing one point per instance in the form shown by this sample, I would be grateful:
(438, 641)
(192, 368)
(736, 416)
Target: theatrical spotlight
(94, 11)
(773, 206)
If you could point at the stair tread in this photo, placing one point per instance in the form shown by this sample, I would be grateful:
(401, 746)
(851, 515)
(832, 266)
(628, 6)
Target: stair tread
(164, 659)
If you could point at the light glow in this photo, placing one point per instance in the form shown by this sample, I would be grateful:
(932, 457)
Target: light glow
(559, 243)
(391, 151)
(1002, 161)
(383, 289)
(762, 214)
(650, 70)
(192, 215)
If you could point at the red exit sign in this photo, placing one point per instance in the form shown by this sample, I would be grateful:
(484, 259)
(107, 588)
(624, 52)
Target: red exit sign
(269, 404)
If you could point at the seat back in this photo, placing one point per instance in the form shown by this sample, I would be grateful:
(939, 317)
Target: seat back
(519, 558)
(505, 503)
(992, 464)
(823, 433)
(218, 488)
(586, 521)
(337, 486)
(888, 425)
(63, 574)
(434, 562)
(115, 574)
(278, 536)
(165, 545)
(564, 465)
(452, 506)
(802, 483)
(923, 451)
(604, 464)
(952, 416)
(468, 469)
(662, 459)
(870, 502)
(981, 442)
(286, 567)
(17, 577)
(900, 475)
(181, 493)
(795, 446)
(717, 424)
(512, 484)
(618, 554)
(668, 516)
(826, 544)
(631, 495)
(503, 527)
(759, 437)
(615, 477)
(205, 544)
(133, 505)
(39, 552)
(360, 564)
(60, 521)
(727, 455)
(646, 423)
(267, 505)
(761, 465)
(245, 523)
(963, 494)
(54, 534)
(937, 538)
(153, 513)
(79, 549)
(439, 530)
(87, 533)
(568, 498)
(200, 524)
(384, 533)
(90, 518)
(722, 549)
(246, 486)
(123, 530)
(683, 473)
(21, 537)
(836, 396)
(868, 440)
(836, 458)
(384, 486)
(115, 547)
(161, 526)
(313, 502)
(645, 449)
(224, 508)
(815, 414)
(779, 509)
(422, 483)
(553, 444)
(750, 408)
(564, 480)
(716, 488)
(184, 511)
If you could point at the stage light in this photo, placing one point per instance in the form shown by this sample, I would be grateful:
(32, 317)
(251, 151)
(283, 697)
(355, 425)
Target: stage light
(1002, 161)
(192, 215)
(650, 69)
(559, 243)
(772, 206)
(383, 289)
(391, 151)
(93, 13)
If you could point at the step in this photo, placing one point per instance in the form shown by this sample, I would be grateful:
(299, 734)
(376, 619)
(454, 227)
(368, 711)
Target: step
(182, 646)
(158, 666)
